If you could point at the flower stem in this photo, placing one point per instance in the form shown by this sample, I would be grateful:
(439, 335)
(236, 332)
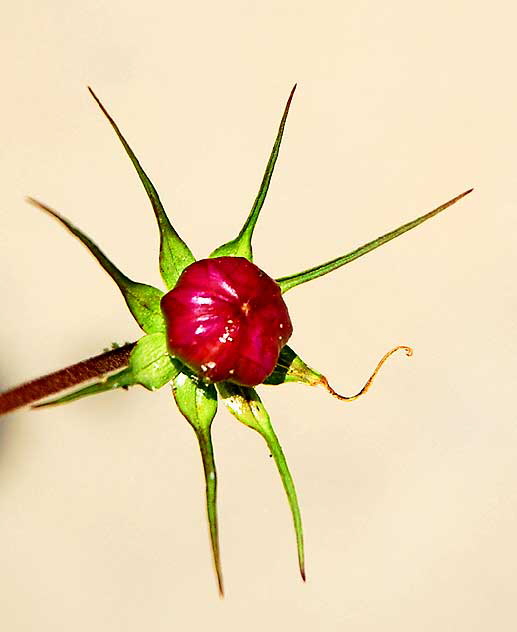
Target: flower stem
(96, 367)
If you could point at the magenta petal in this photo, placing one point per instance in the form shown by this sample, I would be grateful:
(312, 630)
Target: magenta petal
(226, 319)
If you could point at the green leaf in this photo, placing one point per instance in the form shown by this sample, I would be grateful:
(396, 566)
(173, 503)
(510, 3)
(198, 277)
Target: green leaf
(241, 245)
(197, 402)
(175, 255)
(245, 405)
(122, 379)
(143, 300)
(150, 362)
(288, 282)
(291, 368)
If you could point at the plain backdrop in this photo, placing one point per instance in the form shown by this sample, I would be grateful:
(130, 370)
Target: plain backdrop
(409, 496)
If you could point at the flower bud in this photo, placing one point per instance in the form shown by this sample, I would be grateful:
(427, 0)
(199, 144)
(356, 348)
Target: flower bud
(226, 320)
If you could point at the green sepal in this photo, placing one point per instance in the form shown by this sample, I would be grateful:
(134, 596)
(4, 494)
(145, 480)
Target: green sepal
(245, 405)
(291, 368)
(197, 402)
(122, 379)
(175, 255)
(150, 363)
(288, 282)
(143, 300)
(241, 245)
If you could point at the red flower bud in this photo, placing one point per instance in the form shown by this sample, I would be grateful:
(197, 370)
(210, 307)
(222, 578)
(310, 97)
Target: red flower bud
(226, 320)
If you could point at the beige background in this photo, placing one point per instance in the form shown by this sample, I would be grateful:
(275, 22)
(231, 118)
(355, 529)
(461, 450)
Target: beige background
(409, 495)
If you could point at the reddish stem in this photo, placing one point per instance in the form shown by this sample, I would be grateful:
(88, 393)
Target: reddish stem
(96, 367)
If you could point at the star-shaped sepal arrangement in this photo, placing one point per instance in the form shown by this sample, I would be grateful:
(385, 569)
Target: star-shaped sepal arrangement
(219, 329)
